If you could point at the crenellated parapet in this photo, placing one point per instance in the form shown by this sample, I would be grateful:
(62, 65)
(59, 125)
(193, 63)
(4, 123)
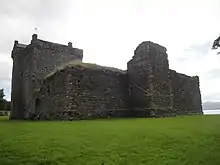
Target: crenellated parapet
(18, 49)
(57, 48)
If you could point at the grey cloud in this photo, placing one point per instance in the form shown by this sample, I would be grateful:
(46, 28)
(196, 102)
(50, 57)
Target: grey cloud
(5, 78)
(37, 10)
(181, 59)
(6, 85)
(18, 20)
(208, 105)
(215, 96)
(199, 49)
(5, 71)
(213, 73)
(194, 51)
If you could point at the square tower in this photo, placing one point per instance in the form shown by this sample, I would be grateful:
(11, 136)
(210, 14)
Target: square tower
(31, 64)
(150, 88)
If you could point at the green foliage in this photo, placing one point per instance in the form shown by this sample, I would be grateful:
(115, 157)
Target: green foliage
(2, 100)
(4, 104)
(216, 44)
(189, 140)
(2, 95)
(8, 105)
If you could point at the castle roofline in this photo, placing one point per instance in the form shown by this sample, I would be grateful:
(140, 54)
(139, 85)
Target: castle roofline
(17, 46)
(145, 44)
(42, 44)
(35, 38)
(91, 66)
(55, 44)
(183, 75)
(21, 45)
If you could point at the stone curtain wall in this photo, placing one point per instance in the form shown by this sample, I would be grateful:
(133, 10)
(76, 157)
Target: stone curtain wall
(43, 89)
(52, 98)
(149, 82)
(81, 93)
(186, 92)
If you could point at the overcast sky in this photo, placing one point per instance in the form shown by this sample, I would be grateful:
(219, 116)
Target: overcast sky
(109, 30)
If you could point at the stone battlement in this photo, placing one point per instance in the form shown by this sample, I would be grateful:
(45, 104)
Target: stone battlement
(41, 44)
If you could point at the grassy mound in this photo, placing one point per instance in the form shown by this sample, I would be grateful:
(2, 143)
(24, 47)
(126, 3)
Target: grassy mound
(76, 63)
(190, 140)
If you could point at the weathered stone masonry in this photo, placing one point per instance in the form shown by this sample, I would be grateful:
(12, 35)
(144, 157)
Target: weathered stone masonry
(186, 93)
(81, 91)
(149, 81)
(31, 63)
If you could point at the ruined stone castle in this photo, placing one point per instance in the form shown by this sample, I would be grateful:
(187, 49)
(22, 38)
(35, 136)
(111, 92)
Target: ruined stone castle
(50, 81)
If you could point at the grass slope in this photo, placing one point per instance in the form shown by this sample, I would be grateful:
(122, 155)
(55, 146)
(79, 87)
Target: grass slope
(75, 63)
(190, 140)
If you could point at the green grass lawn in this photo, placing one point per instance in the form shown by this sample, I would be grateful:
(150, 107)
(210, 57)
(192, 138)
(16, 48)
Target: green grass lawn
(187, 140)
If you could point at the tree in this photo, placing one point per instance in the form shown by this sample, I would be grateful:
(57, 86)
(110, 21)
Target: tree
(8, 105)
(4, 104)
(216, 44)
(2, 95)
(2, 100)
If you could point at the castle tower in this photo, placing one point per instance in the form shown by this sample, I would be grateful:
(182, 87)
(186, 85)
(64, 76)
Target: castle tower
(150, 89)
(31, 64)
(16, 83)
